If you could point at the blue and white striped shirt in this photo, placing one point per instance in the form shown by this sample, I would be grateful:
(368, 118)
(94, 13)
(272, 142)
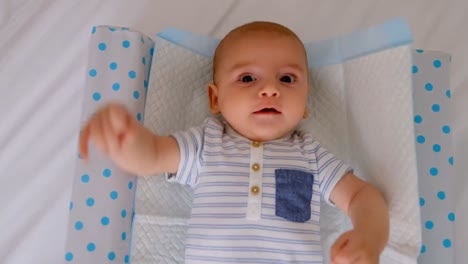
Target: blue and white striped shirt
(254, 202)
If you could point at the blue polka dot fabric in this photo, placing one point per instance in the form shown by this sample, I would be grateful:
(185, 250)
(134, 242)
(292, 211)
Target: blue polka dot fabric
(101, 207)
(432, 109)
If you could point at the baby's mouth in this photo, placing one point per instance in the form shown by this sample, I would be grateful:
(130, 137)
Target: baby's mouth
(267, 111)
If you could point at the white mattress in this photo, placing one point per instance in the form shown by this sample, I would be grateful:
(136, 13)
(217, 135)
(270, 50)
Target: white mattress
(43, 48)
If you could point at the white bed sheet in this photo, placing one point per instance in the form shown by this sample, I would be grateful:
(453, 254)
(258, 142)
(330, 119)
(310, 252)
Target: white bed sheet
(43, 55)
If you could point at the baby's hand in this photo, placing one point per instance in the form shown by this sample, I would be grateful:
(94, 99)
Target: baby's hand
(352, 247)
(119, 135)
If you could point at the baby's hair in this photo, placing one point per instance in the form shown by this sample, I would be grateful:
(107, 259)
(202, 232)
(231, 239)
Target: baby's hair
(256, 26)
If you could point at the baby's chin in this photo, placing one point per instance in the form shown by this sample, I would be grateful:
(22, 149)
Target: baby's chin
(264, 135)
(260, 130)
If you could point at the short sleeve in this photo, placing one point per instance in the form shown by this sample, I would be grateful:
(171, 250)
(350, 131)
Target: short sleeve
(190, 144)
(329, 170)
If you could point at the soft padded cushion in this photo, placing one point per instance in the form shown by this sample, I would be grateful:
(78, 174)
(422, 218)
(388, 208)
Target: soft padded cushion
(361, 109)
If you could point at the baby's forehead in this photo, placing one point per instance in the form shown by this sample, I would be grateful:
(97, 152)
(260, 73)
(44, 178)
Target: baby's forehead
(231, 42)
(249, 35)
(250, 31)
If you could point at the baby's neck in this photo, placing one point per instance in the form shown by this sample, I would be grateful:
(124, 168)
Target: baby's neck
(228, 129)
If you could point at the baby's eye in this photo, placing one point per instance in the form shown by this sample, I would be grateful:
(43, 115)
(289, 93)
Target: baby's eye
(288, 78)
(247, 78)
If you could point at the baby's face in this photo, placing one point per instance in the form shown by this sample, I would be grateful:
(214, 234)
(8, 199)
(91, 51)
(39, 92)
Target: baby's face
(261, 85)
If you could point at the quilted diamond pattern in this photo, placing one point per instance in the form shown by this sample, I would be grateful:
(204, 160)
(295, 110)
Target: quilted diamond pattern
(380, 124)
(360, 110)
(159, 240)
(175, 70)
(155, 196)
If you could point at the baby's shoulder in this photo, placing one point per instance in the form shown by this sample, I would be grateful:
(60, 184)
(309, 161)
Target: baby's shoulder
(304, 136)
(211, 128)
(213, 123)
(305, 140)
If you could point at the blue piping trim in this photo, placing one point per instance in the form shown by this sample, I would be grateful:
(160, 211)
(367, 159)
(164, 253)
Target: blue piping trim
(390, 34)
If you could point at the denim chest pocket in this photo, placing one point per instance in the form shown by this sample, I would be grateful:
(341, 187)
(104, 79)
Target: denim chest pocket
(293, 194)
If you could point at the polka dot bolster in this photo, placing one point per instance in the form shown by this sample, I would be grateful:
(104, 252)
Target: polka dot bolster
(432, 108)
(101, 205)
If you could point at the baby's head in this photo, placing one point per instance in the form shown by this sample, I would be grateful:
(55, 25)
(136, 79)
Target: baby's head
(260, 83)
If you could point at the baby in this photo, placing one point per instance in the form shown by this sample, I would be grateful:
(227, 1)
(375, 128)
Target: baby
(257, 180)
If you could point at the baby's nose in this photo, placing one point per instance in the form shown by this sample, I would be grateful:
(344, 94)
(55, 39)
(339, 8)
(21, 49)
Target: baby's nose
(269, 90)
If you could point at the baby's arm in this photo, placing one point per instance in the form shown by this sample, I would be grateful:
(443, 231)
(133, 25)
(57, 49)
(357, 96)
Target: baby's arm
(368, 211)
(131, 146)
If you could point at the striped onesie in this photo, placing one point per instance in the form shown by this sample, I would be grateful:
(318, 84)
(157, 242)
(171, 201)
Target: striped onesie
(254, 202)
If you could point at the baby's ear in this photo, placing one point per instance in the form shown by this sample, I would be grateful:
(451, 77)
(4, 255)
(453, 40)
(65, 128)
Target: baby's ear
(306, 114)
(213, 98)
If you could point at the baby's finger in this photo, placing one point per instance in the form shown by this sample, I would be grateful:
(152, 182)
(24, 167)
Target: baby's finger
(83, 142)
(127, 138)
(97, 134)
(119, 119)
(349, 253)
(338, 245)
(124, 125)
(110, 136)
